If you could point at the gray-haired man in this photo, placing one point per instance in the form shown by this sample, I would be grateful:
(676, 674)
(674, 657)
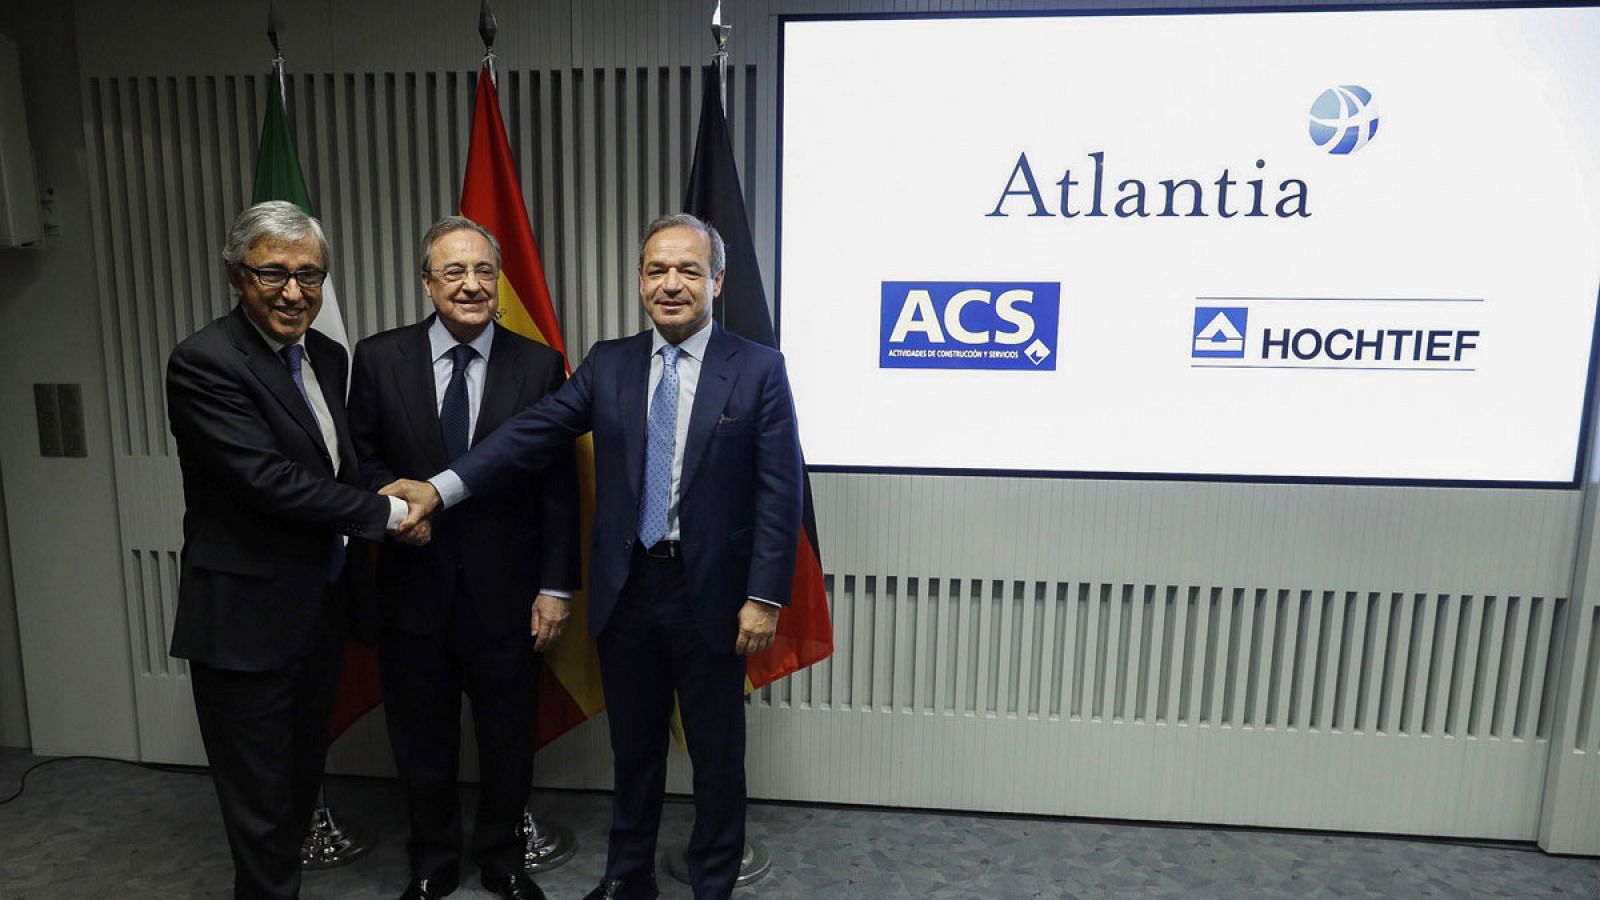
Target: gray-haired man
(256, 402)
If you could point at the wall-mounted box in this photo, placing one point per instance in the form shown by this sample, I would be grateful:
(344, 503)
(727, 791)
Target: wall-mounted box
(19, 189)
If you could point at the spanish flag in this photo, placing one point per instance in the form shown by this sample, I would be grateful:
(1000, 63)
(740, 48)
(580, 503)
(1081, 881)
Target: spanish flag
(569, 686)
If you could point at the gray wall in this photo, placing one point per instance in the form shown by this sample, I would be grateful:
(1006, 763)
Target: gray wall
(1317, 656)
(63, 537)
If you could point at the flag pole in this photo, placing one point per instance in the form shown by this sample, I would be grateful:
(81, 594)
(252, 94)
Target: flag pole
(755, 862)
(326, 844)
(719, 34)
(545, 846)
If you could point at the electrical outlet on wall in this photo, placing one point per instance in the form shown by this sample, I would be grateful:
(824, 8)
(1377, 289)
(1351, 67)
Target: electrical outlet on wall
(47, 213)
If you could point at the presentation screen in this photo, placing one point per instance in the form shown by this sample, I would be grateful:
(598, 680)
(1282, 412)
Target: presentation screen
(1345, 246)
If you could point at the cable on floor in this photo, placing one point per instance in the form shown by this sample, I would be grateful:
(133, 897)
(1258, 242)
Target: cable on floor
(22, 781)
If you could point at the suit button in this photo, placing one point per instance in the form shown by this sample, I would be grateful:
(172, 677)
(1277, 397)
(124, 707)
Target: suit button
(627, 544)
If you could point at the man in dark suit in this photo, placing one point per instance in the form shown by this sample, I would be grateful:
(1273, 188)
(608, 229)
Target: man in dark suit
(461, 613)
(698, 500)
(256, 402)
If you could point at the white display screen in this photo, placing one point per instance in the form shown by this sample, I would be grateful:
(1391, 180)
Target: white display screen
(1346, 245)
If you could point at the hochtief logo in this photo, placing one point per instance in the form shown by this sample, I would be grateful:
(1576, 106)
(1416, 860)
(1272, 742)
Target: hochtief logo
(969, 325)
(1343, 119)
(1219, 332)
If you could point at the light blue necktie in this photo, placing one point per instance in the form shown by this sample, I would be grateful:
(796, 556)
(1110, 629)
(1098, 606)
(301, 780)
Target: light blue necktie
(293, 357)
(661, 434)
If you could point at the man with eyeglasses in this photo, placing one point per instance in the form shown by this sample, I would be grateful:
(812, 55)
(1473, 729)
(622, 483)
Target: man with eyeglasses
(473, 610)
(256, 403)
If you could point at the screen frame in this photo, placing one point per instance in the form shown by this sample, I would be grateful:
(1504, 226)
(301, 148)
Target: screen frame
(1586, 417)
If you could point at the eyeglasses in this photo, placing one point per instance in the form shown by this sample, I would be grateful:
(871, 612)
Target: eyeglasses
(277, 277)
(458, 274)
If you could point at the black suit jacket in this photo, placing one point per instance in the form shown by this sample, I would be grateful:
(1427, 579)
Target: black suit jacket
(741, 493)
(505, 545)
(262, 503)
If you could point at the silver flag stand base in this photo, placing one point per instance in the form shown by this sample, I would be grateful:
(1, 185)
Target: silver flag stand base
(545, 846)
(326, 844)
(753, 866)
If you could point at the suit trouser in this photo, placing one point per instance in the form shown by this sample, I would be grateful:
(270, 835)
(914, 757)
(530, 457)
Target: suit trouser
(424, 676)
(266, 738)
(651, 647)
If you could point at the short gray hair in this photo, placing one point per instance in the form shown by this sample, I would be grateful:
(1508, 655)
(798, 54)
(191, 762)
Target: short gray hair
(276, 219)
(450, 225)
(719, 250)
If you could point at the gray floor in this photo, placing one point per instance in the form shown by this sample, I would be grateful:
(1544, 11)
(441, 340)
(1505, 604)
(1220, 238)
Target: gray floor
(88, 829)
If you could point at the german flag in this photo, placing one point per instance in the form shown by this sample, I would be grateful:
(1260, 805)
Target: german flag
(805, 632)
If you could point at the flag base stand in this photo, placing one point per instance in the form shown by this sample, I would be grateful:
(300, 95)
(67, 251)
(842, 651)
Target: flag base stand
(545, 847)
(753, 865)
(327, 845)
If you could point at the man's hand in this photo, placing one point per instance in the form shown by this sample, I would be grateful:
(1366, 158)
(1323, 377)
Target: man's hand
(758, 623)
(420, 496)
(419, 535)
(549, 619)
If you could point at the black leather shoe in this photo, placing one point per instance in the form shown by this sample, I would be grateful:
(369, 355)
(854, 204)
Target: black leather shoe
(641, 887)
(512, 887)
(428, 889)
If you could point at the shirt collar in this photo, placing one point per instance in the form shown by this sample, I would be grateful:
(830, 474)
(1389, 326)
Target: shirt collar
(694, 345)
(440, 341)
(273, 344)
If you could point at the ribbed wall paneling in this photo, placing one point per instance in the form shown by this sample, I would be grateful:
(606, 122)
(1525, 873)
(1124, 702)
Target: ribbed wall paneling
(1280, 658)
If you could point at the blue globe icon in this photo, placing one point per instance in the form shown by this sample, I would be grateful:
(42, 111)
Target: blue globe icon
(1343, 119)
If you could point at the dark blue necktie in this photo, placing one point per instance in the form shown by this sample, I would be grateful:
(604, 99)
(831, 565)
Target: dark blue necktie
(454, 414)
(293, 356)
(660, 435)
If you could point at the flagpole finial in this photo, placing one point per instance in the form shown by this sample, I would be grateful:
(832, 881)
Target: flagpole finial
(487, 26)
(274, 25)
(719, 31)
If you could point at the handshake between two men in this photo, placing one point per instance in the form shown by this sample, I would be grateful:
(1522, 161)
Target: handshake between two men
(421, 500)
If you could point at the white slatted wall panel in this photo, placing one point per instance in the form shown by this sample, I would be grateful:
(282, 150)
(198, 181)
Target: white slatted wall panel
(1327, 657)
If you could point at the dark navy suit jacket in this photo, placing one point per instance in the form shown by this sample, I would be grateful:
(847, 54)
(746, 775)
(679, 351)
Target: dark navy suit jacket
(506, 544)
(261, 502)
(740, 494)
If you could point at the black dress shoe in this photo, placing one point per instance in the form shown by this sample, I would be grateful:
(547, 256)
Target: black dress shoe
(641, 887)
(512, 887)
(428, 889)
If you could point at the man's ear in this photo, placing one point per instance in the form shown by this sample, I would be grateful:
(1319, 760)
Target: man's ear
(716, 283)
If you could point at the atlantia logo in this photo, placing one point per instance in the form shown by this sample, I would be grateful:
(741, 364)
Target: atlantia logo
(969, 325)
(1343, 119)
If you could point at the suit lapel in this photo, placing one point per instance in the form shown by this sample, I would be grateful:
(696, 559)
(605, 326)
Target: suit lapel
(632, 388)
(717, 374)
(418, 394)
(270, 370)
(502, 384)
